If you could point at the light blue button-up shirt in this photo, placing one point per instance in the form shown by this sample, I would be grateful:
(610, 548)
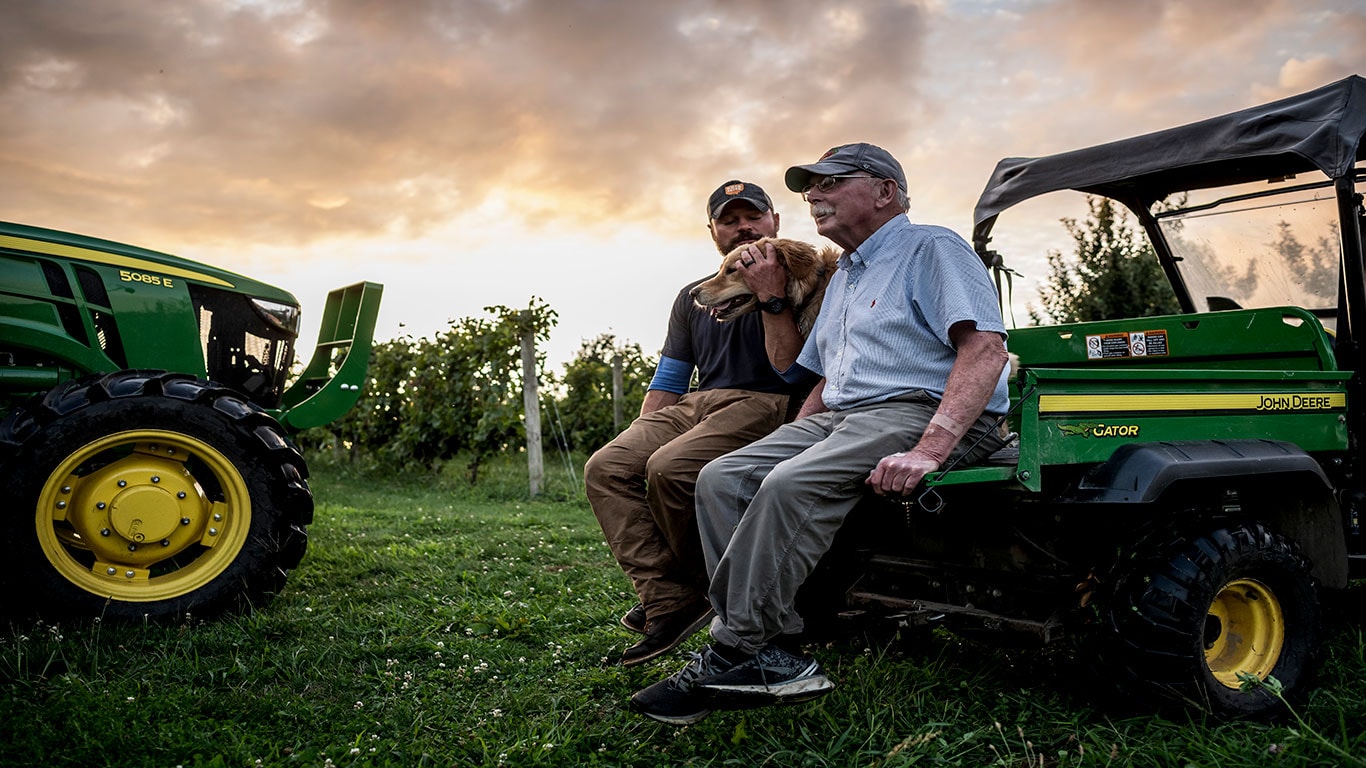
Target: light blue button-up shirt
(883, 330)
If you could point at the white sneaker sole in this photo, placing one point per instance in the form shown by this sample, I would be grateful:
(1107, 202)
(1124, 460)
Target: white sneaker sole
(806, 686)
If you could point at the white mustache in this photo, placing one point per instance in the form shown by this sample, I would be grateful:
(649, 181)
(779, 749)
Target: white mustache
(821, 210)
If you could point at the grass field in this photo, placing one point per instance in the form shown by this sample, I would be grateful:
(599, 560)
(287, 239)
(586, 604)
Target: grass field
(433, 624)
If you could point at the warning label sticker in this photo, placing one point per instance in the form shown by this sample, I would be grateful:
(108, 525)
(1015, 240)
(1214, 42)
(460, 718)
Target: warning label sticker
(1132, 344)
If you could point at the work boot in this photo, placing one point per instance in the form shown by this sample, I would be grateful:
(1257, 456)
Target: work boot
(666, 632)
(634, 619)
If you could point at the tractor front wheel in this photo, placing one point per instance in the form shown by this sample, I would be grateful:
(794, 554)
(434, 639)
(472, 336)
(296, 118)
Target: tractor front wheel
(147, 495)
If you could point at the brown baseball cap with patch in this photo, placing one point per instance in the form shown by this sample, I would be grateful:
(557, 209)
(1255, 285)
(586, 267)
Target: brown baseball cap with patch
(848, 158)
(737, 190)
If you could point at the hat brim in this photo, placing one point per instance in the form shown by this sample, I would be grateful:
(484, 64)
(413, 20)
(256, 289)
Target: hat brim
(758, 203)
(799, 176)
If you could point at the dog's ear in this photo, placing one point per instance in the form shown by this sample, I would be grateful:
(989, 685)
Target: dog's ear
(796, 255)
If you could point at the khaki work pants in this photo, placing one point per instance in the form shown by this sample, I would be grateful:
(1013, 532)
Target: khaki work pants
(641, 485)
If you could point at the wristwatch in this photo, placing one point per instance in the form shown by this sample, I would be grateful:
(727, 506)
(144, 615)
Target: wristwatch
(775, 305)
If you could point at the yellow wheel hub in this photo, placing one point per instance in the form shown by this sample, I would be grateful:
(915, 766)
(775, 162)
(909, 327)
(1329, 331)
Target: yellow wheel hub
(1244, 632)
(143, 515)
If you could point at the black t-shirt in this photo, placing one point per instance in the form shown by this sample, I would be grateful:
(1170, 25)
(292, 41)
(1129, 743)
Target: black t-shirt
(727, 355)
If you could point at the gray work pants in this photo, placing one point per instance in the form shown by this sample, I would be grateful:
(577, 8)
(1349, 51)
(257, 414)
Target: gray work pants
(768, 512)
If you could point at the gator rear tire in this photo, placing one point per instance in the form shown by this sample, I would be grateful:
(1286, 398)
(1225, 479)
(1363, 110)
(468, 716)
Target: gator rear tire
(1187, 623)
(147, 495)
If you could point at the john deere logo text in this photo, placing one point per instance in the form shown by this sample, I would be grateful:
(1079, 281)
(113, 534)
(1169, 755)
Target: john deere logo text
(1099, 430)
(1294, 403)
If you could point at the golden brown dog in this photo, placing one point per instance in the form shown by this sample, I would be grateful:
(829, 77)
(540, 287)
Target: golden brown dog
(726, 297)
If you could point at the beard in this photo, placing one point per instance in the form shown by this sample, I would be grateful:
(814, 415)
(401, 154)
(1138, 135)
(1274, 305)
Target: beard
(741, 238)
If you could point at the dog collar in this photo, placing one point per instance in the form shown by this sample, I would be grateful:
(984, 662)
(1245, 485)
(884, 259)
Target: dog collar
(775, 305)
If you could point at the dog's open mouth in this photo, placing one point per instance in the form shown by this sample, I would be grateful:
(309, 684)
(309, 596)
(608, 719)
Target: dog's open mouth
(729, 308)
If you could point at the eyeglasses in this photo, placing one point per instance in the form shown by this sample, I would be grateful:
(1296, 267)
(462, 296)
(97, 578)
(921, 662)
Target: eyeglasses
(829, 182)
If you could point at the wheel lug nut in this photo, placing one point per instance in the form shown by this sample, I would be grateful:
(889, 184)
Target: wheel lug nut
(99, 505)
(66, 489)
(104, 531)
(156, 479)
(111, 570)
(132, 547)
(180, 495)
(217, 517)
(213, 531)
(61, 505)
(165, 542)
(123, 483)
(128, 574)
(184, 521)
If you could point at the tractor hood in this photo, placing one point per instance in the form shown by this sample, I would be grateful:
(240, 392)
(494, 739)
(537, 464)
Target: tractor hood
(19, 237)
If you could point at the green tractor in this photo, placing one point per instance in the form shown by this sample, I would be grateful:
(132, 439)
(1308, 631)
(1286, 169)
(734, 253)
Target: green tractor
(1184, 489)
(144, 438)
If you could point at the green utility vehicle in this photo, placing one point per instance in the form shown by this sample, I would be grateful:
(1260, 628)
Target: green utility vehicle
(1186, 488)
(144, 446)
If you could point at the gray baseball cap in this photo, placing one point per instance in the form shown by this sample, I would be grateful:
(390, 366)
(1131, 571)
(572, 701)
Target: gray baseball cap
(848, 158)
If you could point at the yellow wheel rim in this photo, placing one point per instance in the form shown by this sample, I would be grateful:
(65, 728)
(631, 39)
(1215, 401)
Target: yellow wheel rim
(143, 515)
(1244, 632)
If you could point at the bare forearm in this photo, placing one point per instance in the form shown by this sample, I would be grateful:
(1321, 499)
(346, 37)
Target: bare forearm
(656, 399)
(813, 403)
(971, 382)
(782, 340)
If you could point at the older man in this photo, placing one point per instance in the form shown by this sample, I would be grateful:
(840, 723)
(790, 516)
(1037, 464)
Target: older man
(910, 348)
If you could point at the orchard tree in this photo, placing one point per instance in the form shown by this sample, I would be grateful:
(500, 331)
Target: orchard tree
(585, 411)
(1113, 272)
(456, 394)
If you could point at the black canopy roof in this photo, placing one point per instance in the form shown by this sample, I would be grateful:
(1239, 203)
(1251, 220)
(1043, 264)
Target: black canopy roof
(1319, 129)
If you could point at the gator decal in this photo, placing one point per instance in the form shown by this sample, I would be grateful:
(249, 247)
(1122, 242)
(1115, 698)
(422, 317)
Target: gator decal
(1091, 429)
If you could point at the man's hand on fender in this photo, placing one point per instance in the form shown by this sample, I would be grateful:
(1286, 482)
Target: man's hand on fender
(900, 473)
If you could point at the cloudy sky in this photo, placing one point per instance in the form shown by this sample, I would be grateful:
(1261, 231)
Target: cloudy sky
(468, 153)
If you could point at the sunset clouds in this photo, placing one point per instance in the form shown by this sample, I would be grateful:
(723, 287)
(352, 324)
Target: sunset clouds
(255, 130)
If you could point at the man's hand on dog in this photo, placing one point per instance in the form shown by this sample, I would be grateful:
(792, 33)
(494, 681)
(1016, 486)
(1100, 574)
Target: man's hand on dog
(764, 275)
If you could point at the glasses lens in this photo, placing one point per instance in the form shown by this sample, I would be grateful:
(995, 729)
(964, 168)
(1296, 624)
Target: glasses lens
(828, 183)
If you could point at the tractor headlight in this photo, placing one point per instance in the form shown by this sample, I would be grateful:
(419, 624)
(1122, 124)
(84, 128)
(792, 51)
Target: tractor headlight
(282, 316)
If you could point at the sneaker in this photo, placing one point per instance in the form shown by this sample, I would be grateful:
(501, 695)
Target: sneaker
(666, 632)
(675, 700)
(634, 619)
(773, 676)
